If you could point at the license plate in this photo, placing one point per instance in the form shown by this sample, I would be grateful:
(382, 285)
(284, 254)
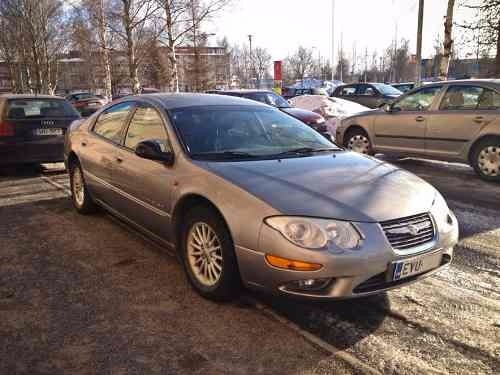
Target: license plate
(416, 265)
(50, 131)
(93, 104)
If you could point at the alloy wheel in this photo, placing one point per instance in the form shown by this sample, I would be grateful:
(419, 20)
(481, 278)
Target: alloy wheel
(359, 143)
(78, 187)
(489, 161)
(204, 253)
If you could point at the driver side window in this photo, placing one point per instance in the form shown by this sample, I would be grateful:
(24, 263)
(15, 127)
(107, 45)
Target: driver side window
(146, 124)
(420, 100)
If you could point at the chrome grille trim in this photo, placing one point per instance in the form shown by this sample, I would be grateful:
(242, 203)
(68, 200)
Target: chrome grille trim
(409, 232)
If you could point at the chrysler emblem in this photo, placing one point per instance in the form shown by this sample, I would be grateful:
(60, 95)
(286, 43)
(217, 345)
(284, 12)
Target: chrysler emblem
(413, 229)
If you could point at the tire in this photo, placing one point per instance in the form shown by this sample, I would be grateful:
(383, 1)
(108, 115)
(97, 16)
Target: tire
(357, 140)
(213, 274)
(80, 196)
(485, 159)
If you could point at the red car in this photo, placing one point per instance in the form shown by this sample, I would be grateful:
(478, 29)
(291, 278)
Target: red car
(313, 119)
(86, 103)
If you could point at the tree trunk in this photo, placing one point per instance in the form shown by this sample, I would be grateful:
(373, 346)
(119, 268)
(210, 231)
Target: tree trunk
(104, 50)
(497, 59)
(132, 61)
(448, 42)
(174, 78)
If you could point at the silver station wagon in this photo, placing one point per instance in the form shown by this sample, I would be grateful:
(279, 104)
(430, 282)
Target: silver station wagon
(453, 121)
(249, 196)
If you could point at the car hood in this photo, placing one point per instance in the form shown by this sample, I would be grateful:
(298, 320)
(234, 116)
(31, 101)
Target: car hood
(302, 114)
(345, 185)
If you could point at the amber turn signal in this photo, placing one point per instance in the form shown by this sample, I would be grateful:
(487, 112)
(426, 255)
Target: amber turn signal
(289, 264)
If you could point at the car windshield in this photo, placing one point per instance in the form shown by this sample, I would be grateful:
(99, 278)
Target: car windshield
(245, 132)
(387, 89)
(27, 108)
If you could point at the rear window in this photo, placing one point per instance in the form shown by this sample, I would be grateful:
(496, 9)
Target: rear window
(28, 108)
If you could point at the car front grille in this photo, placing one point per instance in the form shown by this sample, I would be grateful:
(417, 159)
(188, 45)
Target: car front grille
(409, 232)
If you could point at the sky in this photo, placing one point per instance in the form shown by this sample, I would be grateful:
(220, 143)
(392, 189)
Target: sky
(282, 25)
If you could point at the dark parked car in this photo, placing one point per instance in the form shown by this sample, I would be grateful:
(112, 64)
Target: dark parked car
(371, 95)
(404, 87)
(313, 119)
(86, 103)
(32, 128)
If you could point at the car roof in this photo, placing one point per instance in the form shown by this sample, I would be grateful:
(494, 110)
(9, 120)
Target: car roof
(244, 91)
(180, 100)
(30, 96)
(488, 82)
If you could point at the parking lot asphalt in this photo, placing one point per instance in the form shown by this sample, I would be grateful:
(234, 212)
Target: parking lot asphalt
(85, 294)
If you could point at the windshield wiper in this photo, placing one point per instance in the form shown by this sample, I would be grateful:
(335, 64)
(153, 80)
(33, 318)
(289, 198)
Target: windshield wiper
(306, 150)
(224, 155)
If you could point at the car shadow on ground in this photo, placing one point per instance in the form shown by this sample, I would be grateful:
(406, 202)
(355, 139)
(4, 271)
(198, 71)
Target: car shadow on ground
(22, 171)
(340, 323)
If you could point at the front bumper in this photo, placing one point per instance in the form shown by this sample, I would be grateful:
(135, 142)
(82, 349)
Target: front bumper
(347, 274)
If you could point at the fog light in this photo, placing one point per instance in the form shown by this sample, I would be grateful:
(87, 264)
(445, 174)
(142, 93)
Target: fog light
(308, 284)
(289, 264)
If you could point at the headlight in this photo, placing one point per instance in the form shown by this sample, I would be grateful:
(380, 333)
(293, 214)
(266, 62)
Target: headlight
(441, 214)
(316, 233)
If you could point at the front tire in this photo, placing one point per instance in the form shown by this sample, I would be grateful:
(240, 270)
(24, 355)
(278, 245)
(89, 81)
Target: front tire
(208, 255)
(80, 196)
(485, 159)
(357, 140)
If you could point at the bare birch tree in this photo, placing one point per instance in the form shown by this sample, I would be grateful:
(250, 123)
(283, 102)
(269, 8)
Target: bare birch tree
(179, 23)
(448, 41)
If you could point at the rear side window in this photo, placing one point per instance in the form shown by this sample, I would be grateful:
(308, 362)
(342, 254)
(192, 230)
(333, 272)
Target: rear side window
(470, 98)
(111, 122)
(36, 108)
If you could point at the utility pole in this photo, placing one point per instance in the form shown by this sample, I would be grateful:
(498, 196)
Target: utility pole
(419, 41)
(366, 63)
(251, 59)
(333, 40)
(341, 58)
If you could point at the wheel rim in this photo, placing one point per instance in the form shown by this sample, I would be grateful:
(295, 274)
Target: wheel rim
(359, 143)
(489, 161)
(204, 254)
(78, 187)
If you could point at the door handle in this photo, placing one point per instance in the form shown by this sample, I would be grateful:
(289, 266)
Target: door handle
(420, 118)
(479, 119)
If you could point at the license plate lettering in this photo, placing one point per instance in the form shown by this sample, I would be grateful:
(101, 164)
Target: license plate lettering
(48, 131)
(415, 266)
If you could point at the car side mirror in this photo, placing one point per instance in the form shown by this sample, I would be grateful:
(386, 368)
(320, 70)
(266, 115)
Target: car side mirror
(152, 150)
(389, 107)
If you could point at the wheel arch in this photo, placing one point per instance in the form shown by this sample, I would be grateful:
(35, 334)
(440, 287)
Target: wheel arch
(182, 206)
(478, 141)
(351, 129)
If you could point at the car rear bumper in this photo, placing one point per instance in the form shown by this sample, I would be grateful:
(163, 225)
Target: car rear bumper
(49, 150)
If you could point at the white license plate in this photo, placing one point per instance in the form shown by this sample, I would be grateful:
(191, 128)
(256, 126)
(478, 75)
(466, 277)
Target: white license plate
(50, 131)
(93, 104)
(416, 265)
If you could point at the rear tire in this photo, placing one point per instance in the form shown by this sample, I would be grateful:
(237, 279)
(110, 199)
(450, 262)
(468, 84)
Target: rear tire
(208, 255)
(358, 140)
(485, 159)
(80, 196)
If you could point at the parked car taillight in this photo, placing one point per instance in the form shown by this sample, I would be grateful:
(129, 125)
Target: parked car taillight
(7, 129)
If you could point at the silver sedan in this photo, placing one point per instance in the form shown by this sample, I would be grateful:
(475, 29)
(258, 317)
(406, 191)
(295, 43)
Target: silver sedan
(249, 196)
